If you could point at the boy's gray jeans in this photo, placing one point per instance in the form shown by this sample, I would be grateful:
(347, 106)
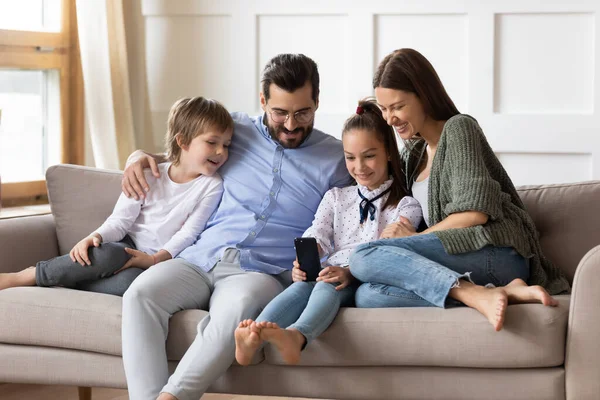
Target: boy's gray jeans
(228, 292)
(98, 277)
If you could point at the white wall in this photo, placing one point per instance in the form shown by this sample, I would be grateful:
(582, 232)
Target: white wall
(525, 69)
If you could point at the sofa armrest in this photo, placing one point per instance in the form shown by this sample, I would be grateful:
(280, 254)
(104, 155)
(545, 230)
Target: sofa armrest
(582, 363)
(25, 241)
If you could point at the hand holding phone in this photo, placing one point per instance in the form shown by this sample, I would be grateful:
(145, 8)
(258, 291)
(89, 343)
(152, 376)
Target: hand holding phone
(308, 257)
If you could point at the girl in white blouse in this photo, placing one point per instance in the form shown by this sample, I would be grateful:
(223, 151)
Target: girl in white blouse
(345, 218)
(142, 232)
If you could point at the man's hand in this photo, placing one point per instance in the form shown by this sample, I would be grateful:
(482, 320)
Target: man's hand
(297, 274)
(79, 252)
(134, 182)
(138, 259)
(402, 228)
(335, 275)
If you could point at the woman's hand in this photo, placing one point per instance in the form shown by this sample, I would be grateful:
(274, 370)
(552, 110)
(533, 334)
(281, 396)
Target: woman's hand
(402, 228)
(297, 274)
(134, 182)
(335, 275)
(79, 252)
(138, 259)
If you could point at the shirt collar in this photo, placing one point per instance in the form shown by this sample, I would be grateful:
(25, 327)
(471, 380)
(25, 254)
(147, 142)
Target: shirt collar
(259, 122)
(372, 193)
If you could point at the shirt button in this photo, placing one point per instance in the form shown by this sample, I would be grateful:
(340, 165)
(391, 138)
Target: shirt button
(253, 233)
(275, 170)
(262, 217)
(272, 193)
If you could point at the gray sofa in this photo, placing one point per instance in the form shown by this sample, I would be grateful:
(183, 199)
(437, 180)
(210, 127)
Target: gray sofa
(68, 337)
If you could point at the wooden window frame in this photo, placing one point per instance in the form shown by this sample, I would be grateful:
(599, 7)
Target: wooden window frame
(58, 51)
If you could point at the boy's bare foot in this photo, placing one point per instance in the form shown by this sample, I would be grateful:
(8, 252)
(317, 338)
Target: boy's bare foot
(288, 342)
(519, 292)
(491, 303)
(25, 277)
(247, 341)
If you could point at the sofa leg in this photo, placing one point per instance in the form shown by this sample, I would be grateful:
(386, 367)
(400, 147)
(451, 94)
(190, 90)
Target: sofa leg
(85, 393)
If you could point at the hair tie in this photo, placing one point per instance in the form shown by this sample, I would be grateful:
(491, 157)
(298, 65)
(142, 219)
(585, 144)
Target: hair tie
(360, 110)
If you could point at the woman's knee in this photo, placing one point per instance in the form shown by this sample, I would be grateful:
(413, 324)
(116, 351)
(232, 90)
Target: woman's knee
(359, 262)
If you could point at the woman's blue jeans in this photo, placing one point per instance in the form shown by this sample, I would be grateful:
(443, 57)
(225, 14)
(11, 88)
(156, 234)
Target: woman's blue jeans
(416, 271)
(309, 307)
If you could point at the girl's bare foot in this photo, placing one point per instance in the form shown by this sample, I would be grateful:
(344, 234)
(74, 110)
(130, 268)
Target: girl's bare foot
(288, 342)
(519, 292)
(25, 277)
(491, 303)
(247, 341)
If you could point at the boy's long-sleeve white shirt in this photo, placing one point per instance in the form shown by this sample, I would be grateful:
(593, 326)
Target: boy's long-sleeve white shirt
(171, 217)
(337, 227)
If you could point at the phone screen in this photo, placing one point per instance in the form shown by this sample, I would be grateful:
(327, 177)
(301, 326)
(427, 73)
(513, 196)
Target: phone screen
(308, 257)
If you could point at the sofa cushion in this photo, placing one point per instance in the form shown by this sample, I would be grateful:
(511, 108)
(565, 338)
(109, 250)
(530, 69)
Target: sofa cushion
(567, 217)
(81, 199)
(72, 319)
(533, 336)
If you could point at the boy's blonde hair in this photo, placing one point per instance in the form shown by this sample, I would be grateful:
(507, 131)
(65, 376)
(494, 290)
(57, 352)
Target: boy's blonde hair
(191, 117)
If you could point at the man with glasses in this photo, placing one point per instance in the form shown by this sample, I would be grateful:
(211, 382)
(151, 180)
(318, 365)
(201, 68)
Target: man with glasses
(278, 170)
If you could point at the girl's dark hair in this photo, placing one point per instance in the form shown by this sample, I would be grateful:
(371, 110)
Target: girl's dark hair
(370, 119)
(409, 71)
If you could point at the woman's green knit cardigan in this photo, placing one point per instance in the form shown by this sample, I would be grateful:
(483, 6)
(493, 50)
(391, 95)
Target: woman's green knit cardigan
(466, 175)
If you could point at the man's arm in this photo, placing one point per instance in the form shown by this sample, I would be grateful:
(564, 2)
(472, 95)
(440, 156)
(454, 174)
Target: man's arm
(134, 183)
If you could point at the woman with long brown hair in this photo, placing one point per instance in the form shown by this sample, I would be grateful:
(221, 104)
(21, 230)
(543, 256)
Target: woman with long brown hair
(480, 245)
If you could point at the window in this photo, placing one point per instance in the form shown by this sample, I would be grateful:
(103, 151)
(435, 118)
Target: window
(41, 95)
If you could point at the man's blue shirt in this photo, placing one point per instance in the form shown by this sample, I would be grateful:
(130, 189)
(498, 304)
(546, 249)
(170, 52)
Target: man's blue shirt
(270, 197)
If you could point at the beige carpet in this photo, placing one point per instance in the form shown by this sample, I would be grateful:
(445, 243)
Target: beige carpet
(12, 391)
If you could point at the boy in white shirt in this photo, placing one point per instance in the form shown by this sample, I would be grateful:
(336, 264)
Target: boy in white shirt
(141, 233)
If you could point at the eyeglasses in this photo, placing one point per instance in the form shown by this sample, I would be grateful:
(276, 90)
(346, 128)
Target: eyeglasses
(301, 117)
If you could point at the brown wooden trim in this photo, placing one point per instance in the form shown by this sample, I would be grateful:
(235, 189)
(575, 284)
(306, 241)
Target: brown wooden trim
(85, 393)
(74, 149)
(32, 60)
(24, 211)
(17, 190)
(33, 39)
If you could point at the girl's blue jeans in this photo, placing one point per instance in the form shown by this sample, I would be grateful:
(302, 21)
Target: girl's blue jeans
(309, 307)
(416, 271)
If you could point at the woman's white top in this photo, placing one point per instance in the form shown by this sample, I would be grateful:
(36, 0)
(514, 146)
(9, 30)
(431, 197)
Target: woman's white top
(420, 191)
(171, 217)
(337, 221)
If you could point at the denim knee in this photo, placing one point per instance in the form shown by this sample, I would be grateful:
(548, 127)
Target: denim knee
(359, 262)
(325, 286)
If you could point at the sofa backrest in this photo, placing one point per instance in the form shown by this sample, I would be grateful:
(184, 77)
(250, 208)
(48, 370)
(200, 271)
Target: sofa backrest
(567, 216)
(81, 198)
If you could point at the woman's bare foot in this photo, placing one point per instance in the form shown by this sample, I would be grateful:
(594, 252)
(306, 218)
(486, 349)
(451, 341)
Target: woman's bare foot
(288, 342)
(247, 341)
(491, 302)
(519, 292)
(25, 277)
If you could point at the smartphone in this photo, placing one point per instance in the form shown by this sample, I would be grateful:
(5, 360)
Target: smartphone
(308, 257)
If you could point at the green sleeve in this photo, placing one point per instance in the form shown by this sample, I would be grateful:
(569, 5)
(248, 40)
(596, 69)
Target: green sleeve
(471, 186)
